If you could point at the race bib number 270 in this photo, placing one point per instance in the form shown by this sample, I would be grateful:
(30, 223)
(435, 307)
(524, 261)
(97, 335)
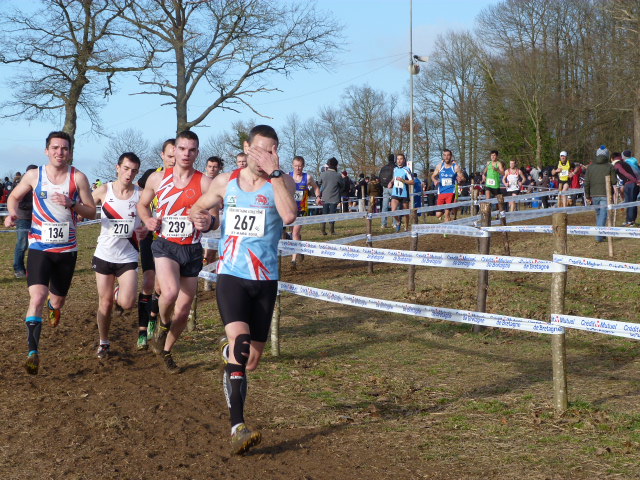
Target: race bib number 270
(244, 222)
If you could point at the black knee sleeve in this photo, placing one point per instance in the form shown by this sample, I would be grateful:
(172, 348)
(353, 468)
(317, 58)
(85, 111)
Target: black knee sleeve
(241, 348)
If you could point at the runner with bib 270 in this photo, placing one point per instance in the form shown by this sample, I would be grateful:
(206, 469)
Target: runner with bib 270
(177, 252)
(116, 255)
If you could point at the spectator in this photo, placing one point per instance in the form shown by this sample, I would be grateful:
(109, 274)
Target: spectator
(23, 224)
(595, 188)
(417, 192)
(331, 187)
(347, 186)
(628, 157)
(375, 192)
(386, 175)
(630, 186)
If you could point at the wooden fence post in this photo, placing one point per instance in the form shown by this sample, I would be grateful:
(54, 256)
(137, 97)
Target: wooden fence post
(192, 320)
(558, 288)
(503, 221)
(369, 235)
(412, 268)
(275, 318)
(610, 218)
(484, 246)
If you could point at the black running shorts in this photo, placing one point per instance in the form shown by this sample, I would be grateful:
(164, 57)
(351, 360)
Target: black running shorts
(248, 301)
(109, 268)
(189, 257)
(54, 270)
(146, 257)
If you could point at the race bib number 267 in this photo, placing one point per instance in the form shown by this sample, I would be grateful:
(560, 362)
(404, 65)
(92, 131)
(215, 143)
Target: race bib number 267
(245, 222)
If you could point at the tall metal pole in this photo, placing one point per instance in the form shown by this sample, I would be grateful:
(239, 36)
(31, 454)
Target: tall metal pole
(411, 87)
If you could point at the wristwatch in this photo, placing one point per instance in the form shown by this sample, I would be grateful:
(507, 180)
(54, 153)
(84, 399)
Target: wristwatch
(276, 174)
(73, 204)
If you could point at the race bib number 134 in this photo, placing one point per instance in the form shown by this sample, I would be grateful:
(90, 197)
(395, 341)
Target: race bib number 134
(55, 232)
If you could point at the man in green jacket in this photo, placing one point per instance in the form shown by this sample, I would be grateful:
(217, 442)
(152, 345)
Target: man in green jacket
(595, 188)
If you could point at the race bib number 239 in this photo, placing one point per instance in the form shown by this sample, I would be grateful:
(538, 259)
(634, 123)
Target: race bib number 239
(176, 226)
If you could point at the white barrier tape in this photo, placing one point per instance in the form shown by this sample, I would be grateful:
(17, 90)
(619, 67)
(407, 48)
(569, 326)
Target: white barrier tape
(450, 229)
(615, 206)
(624, 232)
(521, 229)
(598, 325)
(348, 240)
(212, 277)
(331, 217)
(448, 314)
(597, 264)
(431, 259)
(80, 224)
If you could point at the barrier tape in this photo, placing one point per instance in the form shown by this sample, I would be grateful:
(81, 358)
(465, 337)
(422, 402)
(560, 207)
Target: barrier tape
(615, 206)
(598, 325)
(448, 314)
(624, 232)
(80, 224)
(432, 259)
(597, 264)
(450, 229)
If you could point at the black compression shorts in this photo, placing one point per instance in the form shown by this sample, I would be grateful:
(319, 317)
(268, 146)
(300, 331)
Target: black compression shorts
(188, 257)
(104, 267)
(146, 257)
(55, 270)
(248, 301)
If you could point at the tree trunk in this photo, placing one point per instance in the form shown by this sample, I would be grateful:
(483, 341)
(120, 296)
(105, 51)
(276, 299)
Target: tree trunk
(636, 123)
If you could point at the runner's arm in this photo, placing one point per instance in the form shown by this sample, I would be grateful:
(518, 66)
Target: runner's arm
(143, 207)
(207, 207)
(435, 177)
(314, 185)
(86, 207)
(98, 194)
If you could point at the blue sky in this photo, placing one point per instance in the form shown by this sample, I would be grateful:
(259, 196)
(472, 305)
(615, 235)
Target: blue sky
(376, 52)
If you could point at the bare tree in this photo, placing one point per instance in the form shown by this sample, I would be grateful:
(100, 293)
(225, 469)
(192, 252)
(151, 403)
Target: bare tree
(290, 140)
(228, 49)
(316, 147)
(129, 140)
(68, 53)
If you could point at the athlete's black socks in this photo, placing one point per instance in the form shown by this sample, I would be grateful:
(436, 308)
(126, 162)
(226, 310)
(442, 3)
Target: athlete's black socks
(235, 390)
(34, 326)
(154, 307)
(143, 310)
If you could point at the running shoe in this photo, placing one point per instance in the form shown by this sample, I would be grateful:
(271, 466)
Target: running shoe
(103, 351)
(32, 364)
(142, 344)
(169, 364)
(151, 329)
(54, 314)
(243, 439)
(223, 345)
(20, 274)
(157, 345)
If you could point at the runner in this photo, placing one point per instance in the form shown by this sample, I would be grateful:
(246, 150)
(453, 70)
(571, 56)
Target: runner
(116, 255)
(564, 172)
(148, 297)
(213, 167)
(177, 251)
(258, 200)
(303, 182)
(513, 180)
(400, 194)
(446, 175)
(492, 174)
(241, 160)
(60, 193)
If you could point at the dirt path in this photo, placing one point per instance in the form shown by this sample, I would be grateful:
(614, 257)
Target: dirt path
(126, 418)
